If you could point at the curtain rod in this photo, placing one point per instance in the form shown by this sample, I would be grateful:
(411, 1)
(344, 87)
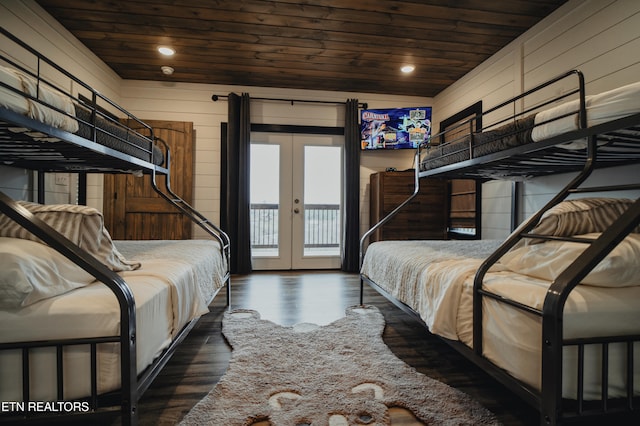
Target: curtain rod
(364, 105)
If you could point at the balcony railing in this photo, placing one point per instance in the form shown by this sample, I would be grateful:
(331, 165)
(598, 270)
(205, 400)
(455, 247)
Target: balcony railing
(264, 225)
(322, 227)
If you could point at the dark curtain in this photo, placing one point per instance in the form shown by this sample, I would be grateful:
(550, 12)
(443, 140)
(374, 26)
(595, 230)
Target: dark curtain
(351, 229)
(235, 180)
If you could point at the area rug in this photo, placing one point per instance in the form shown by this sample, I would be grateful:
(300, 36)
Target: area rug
(338, 374)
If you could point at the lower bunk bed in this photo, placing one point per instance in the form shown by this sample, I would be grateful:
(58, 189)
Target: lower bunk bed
(434, 281)
(62, 345)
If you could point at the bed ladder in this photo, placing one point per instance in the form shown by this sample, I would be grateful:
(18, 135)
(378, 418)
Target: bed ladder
(387, 218)
(189, 211)
(551, 313)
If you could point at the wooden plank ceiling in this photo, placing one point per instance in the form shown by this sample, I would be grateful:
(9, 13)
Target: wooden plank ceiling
(342, 45)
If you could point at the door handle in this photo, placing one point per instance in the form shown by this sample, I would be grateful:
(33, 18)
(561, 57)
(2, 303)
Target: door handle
(296, 210)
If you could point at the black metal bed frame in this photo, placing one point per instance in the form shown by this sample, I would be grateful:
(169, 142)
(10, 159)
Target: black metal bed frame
(530, 160)
(72, 153)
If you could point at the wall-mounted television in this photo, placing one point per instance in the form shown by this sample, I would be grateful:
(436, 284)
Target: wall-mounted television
(394, 128)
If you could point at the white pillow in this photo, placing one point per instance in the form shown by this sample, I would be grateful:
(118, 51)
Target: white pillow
(50, 97)
(10, 99)
(621, 267)
(31, 271)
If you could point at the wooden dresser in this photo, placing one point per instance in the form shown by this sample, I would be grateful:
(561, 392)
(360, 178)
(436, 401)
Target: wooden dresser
(425, 218)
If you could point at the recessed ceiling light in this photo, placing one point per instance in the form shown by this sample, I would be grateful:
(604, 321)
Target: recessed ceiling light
(167, 70)
(407, 68)
(166, 51)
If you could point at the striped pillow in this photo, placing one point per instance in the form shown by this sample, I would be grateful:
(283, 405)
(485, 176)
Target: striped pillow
(581, 216)
(82, 225)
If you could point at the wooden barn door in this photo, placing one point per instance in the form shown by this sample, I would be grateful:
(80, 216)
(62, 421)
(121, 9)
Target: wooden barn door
(134, 211)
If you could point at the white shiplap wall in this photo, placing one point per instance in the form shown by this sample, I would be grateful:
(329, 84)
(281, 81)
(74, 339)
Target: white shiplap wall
(599, 37)
(192, 102)
(16, 183)
(27, 21)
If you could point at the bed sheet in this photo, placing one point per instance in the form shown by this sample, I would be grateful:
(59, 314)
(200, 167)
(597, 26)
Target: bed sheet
(86, 312)
(435, 278)
(402, 267)
(166, 299)
(182, 262)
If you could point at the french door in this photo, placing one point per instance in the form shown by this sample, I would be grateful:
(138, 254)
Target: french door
(296, 201)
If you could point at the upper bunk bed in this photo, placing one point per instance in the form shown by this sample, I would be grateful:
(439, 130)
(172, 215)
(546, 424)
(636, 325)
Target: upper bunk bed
(548, 135)
(52, 121)
(553, 310)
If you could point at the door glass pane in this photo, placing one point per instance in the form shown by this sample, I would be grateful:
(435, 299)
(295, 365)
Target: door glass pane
(322, 194)
(265, 199)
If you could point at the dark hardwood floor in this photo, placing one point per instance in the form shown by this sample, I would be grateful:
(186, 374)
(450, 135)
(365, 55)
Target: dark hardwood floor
(319, 297)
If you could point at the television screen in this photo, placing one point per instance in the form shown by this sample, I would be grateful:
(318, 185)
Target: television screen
(396, 128)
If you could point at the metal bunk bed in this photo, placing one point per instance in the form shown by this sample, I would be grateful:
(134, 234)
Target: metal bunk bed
(612, 143)
(102, 145)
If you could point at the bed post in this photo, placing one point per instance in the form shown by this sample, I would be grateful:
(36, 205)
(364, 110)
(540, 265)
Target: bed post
(557, 295)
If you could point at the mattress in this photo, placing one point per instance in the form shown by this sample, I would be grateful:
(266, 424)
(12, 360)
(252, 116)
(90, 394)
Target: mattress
(554, 121)
(176, 282)
(117, 137)
(435, 279)
(601, 108)
(512, 339)
(76, 119)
